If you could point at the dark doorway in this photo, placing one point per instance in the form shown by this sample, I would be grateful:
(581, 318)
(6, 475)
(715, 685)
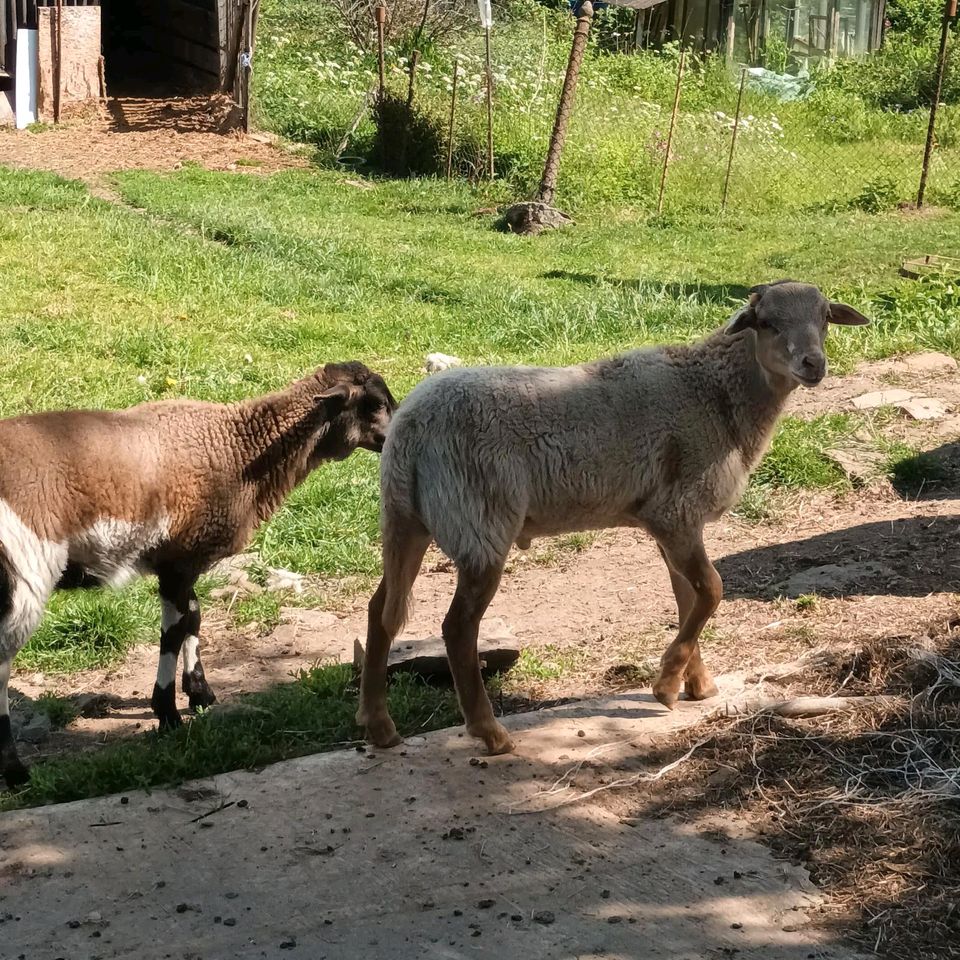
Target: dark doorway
(161, 48)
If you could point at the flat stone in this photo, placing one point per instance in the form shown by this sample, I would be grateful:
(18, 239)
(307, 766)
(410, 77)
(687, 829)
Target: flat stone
(435, 362)
(837, 579)
(930, 362)
(881, 398)
(925, 408)
(858, 463)
(497, 648)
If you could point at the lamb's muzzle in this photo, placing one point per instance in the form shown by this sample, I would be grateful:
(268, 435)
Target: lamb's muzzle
(663, 439)
(92, 498)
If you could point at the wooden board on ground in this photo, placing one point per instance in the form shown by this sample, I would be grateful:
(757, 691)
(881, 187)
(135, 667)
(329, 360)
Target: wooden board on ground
(931, 265)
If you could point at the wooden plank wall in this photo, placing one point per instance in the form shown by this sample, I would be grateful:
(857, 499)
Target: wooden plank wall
(23, 13)
(200, 38)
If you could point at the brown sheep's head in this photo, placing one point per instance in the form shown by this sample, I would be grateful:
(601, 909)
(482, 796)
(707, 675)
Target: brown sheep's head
(790, 321)
(358, 406)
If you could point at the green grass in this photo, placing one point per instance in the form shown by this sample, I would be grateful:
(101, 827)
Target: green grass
(60, 711)
(92, 628)
(262, 609)
(795, 155)
(311, 714)
(229, 285)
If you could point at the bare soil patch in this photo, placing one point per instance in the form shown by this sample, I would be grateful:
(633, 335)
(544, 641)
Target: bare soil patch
(141, 134)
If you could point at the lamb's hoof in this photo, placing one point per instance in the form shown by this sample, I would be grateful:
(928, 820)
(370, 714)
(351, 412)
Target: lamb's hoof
(169, 721)
(497, 740)
(15, 774)
(201, 698)
(666, 696)
(700, 689)
(382, 733)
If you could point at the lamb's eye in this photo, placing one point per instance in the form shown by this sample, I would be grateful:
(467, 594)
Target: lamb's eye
(764, 324)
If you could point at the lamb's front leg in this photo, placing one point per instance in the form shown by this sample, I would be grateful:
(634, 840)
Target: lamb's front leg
(176, 622)
(13, 771)
(194, 681)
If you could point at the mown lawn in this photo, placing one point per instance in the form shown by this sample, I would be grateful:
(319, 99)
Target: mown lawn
(220, 286)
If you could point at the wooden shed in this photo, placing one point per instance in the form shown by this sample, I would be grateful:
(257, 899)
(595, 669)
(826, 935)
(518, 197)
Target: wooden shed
(157, 48)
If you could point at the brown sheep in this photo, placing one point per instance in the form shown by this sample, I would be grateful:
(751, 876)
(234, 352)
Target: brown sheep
(96, 497)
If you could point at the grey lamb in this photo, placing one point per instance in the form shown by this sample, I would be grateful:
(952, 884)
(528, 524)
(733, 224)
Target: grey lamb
(664, 439)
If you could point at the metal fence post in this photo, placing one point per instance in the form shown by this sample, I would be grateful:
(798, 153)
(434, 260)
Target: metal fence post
(949, 12)
(673, 123)
(733, 140)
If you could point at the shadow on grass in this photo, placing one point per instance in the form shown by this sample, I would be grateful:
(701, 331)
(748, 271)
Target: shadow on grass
(312, 714)
(929, 474)
(705, 293)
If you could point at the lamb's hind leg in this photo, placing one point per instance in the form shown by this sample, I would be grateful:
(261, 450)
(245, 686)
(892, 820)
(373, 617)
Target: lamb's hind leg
(698, 684)
(403, 550)
(686, 556)
(461, 628)
(193, 679)
(14, 772)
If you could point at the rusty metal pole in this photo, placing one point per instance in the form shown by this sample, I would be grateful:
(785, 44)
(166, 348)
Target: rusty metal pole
(380, 14)
(548, 184)
(733, 140)
(58, 64)
(673, 124)
(453, 116)
(949, 12)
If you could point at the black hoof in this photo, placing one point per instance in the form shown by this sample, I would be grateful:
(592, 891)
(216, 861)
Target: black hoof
(169, 721)
(199, 693)
(15, 774)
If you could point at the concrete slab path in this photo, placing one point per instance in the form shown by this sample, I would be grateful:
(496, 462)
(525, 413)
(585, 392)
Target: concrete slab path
(411, 853)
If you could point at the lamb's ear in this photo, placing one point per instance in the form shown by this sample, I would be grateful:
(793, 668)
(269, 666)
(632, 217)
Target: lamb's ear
(339, 398)
(846, 315)
(744, 319)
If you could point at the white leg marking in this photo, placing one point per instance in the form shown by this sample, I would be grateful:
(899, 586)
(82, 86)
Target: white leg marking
(38, 564)
(170, 616)
(4, 696)
(194, 606)
(191, 646)
(166, 670)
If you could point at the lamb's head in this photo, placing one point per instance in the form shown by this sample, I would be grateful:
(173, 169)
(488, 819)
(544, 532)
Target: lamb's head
(358, 406)
(790, 320)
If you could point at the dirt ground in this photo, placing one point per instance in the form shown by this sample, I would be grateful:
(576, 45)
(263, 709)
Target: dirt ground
(882, 563)
(140, 134)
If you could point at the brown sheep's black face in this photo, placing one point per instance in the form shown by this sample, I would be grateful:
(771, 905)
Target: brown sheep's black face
(359, 407)
(790, 320)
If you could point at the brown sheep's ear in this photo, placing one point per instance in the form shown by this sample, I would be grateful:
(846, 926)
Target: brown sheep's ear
(744, 319)
(342, 397)
(843, 314)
